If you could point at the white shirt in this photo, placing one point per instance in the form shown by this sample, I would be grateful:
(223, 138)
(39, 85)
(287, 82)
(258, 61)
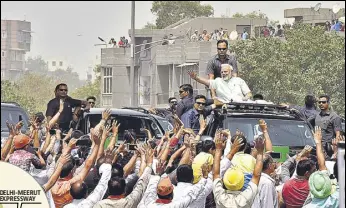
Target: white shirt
(99, 191)
(267, 195)
(234, 199)
(330, 166)
(182, 189)
(42, 176)
(194, 37)
(233, 89)
(150, 195)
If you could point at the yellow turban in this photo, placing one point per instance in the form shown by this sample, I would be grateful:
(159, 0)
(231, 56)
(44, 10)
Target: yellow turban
(234, 179)
(197, 164)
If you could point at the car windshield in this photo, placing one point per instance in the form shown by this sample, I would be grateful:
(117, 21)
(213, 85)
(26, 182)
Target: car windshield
(126, 123)
(281, 132)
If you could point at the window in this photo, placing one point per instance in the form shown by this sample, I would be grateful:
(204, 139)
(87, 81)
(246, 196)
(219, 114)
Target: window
(3, 34)
(60, 63)
(107, 101)
(3, 53)
(13, 55)
(20, 37)
(17, 56)
(107, 80)
(53, 63)
(26, 37)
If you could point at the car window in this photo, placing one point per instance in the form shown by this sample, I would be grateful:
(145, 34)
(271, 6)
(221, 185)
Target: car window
(12, 115)
(126, 123)
(153, 127)
(165, 124)
(281, 132)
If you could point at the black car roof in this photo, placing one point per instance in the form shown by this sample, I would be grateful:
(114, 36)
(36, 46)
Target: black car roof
(264, 116)
(116, 111)
(258, 110)
(10, 104)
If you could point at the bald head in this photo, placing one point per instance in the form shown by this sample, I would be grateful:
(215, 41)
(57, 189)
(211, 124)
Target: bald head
(79, 190)
(226, 70)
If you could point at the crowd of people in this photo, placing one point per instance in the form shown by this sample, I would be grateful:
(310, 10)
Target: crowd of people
(266, 31)
(224, 34)
(122, 43)
(335, 25)
(180, 169)
(227, 171)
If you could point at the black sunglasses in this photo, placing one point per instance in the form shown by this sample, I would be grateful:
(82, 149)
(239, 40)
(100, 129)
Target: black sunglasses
(200, 103)
(92, 102)
(181, 91)
(174, 103)
(320, 102)
(63, 90)
(221, 49)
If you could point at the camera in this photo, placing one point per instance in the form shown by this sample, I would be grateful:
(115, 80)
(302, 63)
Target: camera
(52, 132)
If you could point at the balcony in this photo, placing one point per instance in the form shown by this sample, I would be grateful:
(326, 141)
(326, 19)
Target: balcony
(115, 56)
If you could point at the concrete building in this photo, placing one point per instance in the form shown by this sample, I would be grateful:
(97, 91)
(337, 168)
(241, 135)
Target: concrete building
(15, 42)
(309, 15)
(161, 69)
(57, 63)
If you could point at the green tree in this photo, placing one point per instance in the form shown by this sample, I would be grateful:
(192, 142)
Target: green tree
(32, 92)
(170, 12)
(90, 89)
(253, 15)
(308, 61)
(68, 77)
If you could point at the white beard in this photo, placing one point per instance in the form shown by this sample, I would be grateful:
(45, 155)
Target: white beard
(226, 78)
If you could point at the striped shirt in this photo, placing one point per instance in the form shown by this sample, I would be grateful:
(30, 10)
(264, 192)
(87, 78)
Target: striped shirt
(214, 65)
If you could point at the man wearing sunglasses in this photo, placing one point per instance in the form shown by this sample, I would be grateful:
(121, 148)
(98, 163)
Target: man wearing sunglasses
(329, 121)
(91, 100)
(186, 102)
(214, 65)
(69, 103)
(192, 116)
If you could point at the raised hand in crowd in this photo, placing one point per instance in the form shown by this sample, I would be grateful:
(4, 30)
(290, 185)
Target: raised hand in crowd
(304, 153)
(193, 74)
(335, 146)
(260, 146)
(268, 141)
(56, 117)
(220, 145)
(63, 159)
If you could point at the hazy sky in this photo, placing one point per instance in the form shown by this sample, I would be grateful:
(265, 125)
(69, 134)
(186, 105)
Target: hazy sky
(57, 24)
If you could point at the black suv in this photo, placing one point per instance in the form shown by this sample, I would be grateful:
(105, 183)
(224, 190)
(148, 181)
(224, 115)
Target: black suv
(12, 112)
(128, 119)
(288, 131)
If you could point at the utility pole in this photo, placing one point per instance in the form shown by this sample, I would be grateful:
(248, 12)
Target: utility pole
(133, 47)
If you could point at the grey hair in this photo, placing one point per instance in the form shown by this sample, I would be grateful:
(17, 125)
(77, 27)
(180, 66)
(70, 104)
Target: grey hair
(227, 65)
